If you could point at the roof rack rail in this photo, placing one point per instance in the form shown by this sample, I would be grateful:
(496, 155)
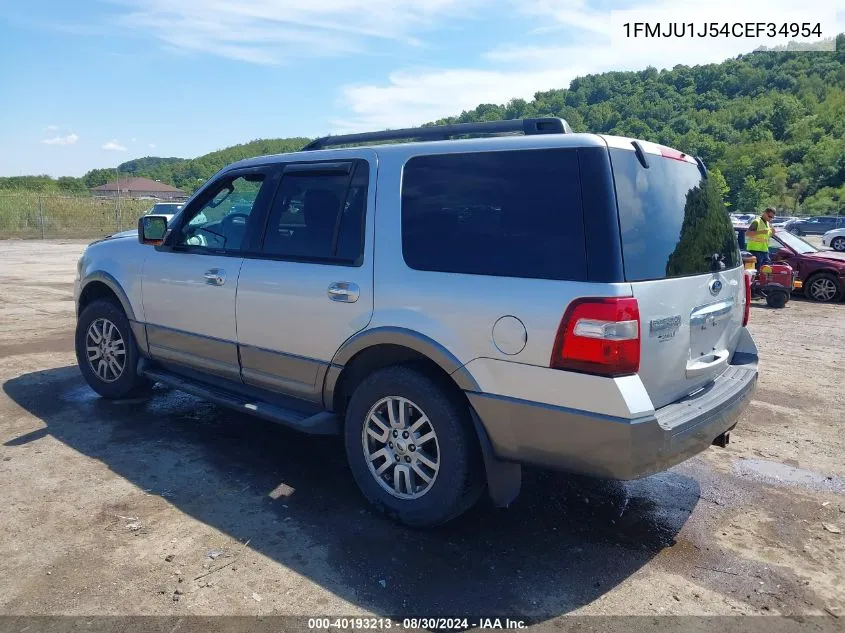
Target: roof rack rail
(443, 132)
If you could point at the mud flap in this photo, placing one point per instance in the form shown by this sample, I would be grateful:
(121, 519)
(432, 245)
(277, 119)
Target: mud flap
(504, 479)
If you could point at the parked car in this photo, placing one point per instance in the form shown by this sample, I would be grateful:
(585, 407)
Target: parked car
(741, 219)
(165, 208)
(475, 315)
(835, 239)
(816, 226)
(821, 273)
(782, 221)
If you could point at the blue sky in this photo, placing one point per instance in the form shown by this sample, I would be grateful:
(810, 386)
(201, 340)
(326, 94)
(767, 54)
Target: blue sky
(92, 83)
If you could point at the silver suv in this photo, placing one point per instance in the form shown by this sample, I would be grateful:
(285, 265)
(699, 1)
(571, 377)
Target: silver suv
(454, 307)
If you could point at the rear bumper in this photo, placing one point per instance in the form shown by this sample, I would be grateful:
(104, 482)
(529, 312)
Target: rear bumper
(618, 448)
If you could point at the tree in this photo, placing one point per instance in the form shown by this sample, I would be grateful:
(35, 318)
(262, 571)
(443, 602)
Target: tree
(721, 185)
(752, 196)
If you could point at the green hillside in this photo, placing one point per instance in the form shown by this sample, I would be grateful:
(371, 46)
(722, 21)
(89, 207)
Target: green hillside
(773, 123)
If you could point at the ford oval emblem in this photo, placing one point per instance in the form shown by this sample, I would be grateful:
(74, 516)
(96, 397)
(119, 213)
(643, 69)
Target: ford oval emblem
(715, 287)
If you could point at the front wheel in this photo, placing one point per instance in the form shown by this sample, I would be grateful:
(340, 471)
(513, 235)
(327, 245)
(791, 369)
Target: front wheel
(838, 244)
(823, 287)
(107, 354)
(412, 447)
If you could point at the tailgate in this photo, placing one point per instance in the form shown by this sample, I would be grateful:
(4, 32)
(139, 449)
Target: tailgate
(681, 257)
(690, 328)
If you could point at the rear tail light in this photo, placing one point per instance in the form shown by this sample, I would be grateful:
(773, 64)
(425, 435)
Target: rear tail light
(599, 336)
(747, 312)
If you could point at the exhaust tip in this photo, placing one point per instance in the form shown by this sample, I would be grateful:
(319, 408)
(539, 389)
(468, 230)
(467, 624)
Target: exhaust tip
(722, 440)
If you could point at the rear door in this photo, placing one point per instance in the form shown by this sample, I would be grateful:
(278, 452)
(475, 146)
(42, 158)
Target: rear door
(309, 287)
(681, 256)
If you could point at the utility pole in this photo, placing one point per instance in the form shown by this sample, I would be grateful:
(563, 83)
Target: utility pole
(41, 215)
(117, 207)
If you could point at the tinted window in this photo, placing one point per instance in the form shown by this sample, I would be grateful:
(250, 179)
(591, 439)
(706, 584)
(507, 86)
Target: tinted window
(221, 221)
(319, 216)
(672, 220)
(511, 214)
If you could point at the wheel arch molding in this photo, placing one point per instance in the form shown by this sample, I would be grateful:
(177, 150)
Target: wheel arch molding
(107, 280)
(397, 337)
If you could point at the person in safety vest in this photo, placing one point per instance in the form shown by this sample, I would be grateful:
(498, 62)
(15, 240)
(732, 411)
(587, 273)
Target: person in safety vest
(757, 237)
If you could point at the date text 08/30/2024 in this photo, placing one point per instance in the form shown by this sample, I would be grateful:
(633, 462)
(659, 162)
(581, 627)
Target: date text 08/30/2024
(456, 624)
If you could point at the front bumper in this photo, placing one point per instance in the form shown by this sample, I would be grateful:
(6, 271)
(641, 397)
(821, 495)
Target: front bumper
(618, 448)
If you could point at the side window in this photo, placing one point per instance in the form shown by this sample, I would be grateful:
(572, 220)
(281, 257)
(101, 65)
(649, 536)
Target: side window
(510, 214)
(319, 215)
(220, 223)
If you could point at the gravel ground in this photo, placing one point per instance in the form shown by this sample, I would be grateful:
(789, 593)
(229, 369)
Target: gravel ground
(173, 506)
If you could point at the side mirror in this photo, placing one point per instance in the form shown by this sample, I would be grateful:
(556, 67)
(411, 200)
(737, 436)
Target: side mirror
(781, 254)
(151, 229)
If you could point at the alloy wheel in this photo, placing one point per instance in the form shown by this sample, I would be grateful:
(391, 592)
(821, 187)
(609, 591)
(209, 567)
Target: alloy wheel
(822, 289)
(105, 350)
(401, 447)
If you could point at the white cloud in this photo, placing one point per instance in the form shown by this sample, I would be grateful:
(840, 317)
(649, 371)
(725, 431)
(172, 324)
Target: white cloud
(113, 146)
(572, 38)
(69, 139)
(273, 31)
(152, 145)
(412, 98)
(51, 128)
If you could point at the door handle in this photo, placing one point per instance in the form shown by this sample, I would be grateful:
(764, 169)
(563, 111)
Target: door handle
(215, 277)
(707, 364)
(344, 291)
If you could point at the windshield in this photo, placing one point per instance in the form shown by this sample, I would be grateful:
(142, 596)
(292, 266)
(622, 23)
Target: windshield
(164, 209)
(673, 221)
(796, 243)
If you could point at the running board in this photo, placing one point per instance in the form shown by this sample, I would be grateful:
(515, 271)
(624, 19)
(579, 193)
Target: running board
(323, 423)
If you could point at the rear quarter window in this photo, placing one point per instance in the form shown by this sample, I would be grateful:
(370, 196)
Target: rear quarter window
(509, 214)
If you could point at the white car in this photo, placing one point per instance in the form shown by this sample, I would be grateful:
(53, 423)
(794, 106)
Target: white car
(165, 208)
(835, 239)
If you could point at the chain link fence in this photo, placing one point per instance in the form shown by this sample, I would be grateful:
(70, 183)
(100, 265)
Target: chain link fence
(33, 216)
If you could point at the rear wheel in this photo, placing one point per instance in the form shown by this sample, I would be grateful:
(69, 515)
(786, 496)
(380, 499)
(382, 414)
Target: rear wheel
(412, 448)
(823, 287)
(107, 354)
(777, 299)
(838, 244)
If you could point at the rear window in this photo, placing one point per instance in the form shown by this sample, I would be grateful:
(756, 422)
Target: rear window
(672, 220)
(509, 214)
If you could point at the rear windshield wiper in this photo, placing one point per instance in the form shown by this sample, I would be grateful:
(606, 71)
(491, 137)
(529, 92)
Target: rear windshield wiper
(638, 149)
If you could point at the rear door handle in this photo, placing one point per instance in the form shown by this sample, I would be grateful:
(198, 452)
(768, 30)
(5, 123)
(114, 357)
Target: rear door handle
(344, 292)
(215, 277)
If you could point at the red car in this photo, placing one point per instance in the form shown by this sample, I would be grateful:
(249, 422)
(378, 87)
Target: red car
(821, 272)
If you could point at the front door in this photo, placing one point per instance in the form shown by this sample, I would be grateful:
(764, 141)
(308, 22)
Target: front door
(311, 285)
(189, 285)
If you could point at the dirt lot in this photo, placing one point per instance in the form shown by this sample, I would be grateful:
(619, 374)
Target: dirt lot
(174, 506)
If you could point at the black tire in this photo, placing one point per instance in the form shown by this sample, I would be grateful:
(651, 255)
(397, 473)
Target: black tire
(777, 299)
(838, 244)
(459, 480)
(129, 383)
(828, 279)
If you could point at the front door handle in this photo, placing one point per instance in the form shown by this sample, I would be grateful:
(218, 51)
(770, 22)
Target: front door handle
(344, 291)
(215, 277)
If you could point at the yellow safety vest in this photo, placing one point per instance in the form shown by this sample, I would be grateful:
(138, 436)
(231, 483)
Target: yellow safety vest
(759, 243)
